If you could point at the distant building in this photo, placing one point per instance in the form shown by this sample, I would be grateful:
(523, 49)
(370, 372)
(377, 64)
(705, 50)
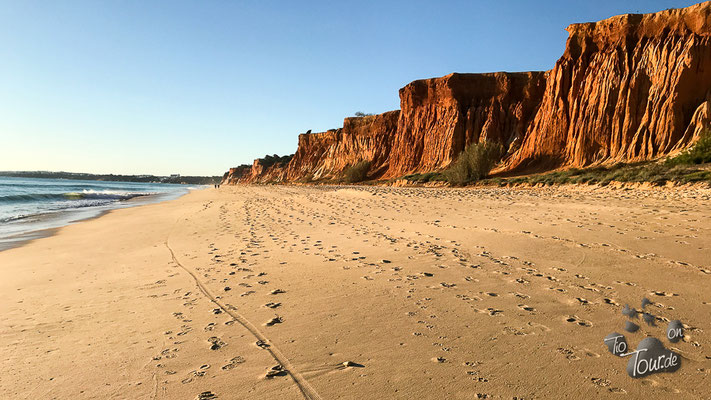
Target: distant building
(175, 175)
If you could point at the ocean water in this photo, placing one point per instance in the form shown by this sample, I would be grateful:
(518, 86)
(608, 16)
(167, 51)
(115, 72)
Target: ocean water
(29, 207)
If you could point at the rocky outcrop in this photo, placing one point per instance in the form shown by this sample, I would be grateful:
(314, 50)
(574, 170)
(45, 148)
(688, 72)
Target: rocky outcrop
(270, 169)
(629, 88)
(326, 155)
(262, 172)
(235, 175)
(441, 116)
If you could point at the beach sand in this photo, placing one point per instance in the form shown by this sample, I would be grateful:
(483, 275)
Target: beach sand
(360, 293)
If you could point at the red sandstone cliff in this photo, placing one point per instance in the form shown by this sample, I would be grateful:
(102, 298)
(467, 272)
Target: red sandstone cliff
(326, 155)
(440, 116)
(270, 169)
(631, 87)
(235, 175)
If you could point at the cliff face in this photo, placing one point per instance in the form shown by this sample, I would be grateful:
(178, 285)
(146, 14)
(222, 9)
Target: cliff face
(262, 172)
(632, 87)
(441, 116)
(270, 169)
(234, 175)
(327, 154)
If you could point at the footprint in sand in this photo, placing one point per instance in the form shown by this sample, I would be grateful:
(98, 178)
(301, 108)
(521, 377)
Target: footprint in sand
(216, 343)
(275, 371)
(590, 353)
(568, 353)
(611, 301)
(657, 385)
(664, 294)
(577, 320)
(196, 374)
(234, 362)
(349, 364)
(490, 311)
(604, 383)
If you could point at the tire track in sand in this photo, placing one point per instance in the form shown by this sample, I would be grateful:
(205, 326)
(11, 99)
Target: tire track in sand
(306, 389)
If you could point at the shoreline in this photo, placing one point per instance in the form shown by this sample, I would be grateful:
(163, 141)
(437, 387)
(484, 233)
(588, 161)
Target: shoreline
(59, 219)
(692, 188)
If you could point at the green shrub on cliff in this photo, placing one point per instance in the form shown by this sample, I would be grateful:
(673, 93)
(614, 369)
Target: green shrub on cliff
(357, 172)
(474, 163)
(268, 160)
(424, 178)
(699, 154)
(656, 173)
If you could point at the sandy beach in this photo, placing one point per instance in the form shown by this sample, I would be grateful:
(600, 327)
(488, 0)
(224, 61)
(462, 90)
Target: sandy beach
(263, 292)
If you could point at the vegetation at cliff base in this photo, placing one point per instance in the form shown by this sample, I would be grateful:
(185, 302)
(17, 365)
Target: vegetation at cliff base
(692, 165)
(687, 167)
(474, 163)
(700, 153)
(655, 173)
(426, 177)
(357, 172)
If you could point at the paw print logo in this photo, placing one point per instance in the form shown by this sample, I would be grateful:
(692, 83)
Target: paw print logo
(650, 356)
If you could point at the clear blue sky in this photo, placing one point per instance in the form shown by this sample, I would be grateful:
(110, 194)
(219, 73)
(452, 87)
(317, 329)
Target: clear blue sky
(195, 87)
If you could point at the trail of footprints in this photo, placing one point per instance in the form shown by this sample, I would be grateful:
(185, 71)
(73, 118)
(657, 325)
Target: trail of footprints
(425, 246)
(295, 225)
